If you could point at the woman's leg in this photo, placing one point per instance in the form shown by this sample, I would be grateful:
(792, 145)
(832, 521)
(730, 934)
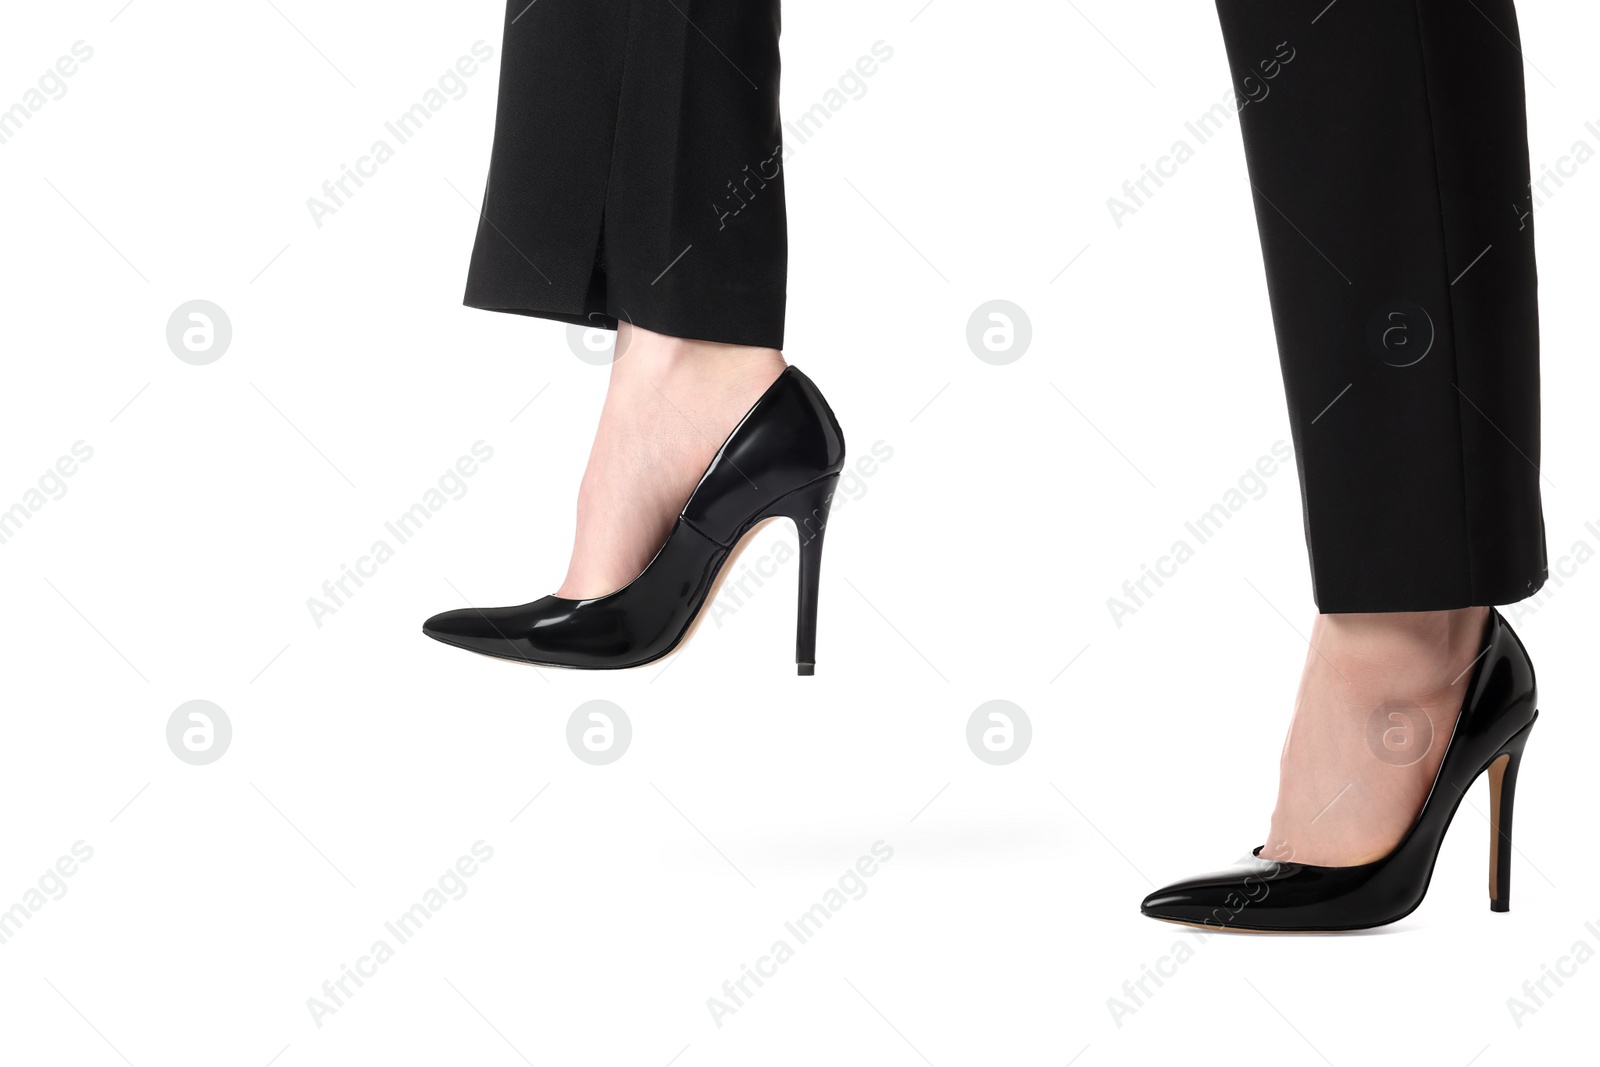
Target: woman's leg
(670, 405)
(1378, 699)
(1387, 147)
(636, 179)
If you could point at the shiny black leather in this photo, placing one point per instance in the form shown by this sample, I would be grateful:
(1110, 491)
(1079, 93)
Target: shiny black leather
(782, 460)
(788, 440)
(1497, 714)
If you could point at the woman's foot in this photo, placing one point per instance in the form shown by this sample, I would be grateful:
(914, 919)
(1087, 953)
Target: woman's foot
(670, 405)
(1377, 704)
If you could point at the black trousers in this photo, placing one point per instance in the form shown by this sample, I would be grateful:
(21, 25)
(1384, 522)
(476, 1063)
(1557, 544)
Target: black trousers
(637, 175)
(637, 171)
(1387, 147)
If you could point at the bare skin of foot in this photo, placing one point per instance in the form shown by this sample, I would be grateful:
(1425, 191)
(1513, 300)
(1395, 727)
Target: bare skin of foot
(670, 405)
(1378, 701)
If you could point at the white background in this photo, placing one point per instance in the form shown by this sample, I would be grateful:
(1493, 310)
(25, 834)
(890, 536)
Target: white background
(973, 565)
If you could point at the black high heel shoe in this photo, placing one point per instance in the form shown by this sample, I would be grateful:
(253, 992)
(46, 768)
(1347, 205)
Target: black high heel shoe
(782, 461)
(1497, 715)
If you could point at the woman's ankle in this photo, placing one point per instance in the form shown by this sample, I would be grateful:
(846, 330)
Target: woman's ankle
(1407, 654)
(654, 360)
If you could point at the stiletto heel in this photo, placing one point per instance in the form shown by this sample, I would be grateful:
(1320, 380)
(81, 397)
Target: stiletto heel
(782, 460)
(809, 508)
(1502, 795)
(1497, 714)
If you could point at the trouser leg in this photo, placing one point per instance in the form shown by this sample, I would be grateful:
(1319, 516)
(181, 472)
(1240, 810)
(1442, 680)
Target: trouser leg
(1387, 147)
(637, 169)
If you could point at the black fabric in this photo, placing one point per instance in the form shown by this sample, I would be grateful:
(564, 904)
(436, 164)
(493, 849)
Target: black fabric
(637, 169)
(1390, 164)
